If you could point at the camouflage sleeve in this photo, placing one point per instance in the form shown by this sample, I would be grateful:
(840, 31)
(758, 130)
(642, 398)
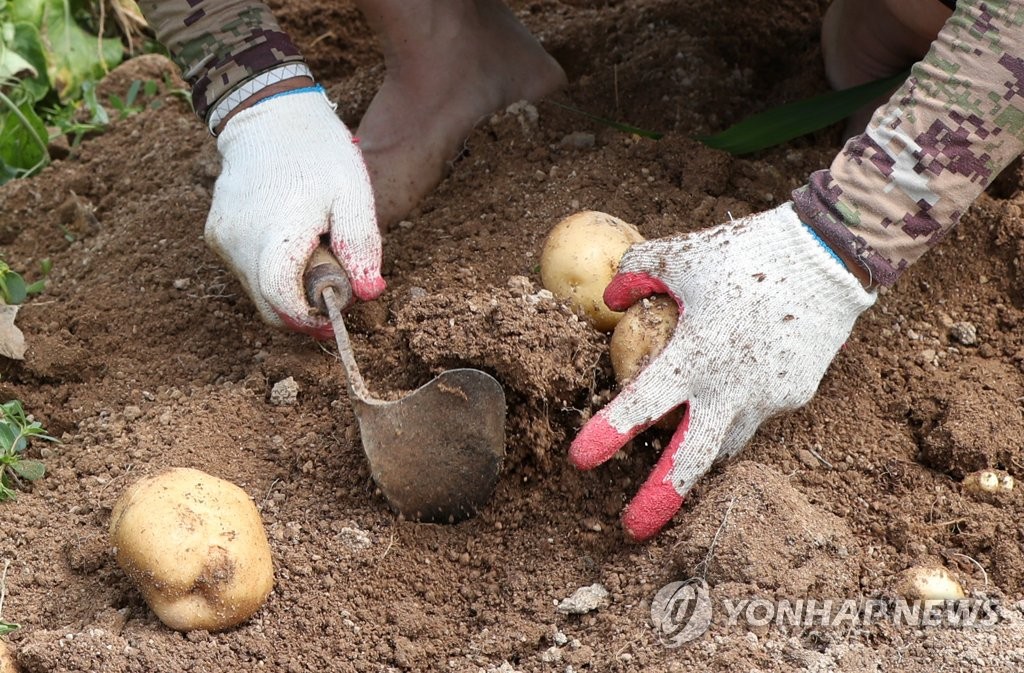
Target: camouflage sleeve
(219, 44)
(897, 190)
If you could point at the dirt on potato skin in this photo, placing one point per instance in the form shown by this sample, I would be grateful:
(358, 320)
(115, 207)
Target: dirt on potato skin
(144, 353)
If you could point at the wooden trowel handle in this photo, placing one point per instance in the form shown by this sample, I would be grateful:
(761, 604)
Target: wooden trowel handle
(324, 271)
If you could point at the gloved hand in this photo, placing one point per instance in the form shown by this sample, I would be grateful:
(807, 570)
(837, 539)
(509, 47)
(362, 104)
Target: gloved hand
(290, 174)
(764, 307)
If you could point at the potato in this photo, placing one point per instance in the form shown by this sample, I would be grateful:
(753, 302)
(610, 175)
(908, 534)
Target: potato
(929, 584)
(642, 333)
(195, 547)
(580, 257)
(7, 663)
(988, 481)
(988, 485)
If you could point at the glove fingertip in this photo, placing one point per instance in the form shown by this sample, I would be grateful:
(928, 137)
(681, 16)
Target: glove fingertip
(596, 442)
(630, 287)
(658, 499)
(362, 264)
(652, 508)
(369, 286)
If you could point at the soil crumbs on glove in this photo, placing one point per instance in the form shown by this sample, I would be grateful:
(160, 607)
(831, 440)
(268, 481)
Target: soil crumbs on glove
(144, 352)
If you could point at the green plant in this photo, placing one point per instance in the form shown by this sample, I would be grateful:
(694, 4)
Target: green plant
(49, 51)
(16, 430)
(778, 124)
(14, 289)
(785, 122)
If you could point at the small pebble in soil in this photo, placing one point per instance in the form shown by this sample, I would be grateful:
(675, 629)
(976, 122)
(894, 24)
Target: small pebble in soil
(964, 332)
(539, 296)
(580, 140)
(584, 600)
(285, 392)
(132, 412)
(181, 283)
(520, 285)
(504, 668)
(355, 538)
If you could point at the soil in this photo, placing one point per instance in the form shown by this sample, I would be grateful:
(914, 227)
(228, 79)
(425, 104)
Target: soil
(145, 353)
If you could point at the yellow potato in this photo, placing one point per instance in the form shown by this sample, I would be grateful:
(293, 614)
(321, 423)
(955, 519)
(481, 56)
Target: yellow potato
(195, 547)
(642, 333)
(580, 257)
(930, 584)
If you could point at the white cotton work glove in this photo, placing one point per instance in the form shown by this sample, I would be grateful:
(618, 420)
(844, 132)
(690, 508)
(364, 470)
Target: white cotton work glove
(764, 307)
(292, 173)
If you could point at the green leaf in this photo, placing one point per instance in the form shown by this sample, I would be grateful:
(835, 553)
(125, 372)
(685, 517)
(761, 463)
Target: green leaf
(16, 291)
(74, 55)
(618, 126)
(23, 56)
(14, 413)
(7, 173)
(29, 470)
(29, 11)
(8, 627)
(98, 114)
(12, 64)
(133, 92)
(779, 124)
(23, 149)
(7, 438)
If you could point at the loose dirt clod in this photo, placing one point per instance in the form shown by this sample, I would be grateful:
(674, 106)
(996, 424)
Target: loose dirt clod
(541, 352)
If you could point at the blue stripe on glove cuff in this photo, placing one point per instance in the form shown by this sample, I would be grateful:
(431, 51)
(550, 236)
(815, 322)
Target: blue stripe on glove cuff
(305, 89)
(820, 241)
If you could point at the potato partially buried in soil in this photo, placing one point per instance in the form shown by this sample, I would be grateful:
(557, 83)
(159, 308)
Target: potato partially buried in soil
(195, 547)
(989, 485)
(580, 257)
(931, 585)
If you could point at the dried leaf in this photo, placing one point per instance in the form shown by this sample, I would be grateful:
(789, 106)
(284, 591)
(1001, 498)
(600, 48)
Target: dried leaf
(12, 341)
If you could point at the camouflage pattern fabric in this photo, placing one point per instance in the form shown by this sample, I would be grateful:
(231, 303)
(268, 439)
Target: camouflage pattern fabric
(897, 190)
(218, 44)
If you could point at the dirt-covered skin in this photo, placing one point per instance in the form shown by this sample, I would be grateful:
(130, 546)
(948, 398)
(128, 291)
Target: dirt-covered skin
(144, 353)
